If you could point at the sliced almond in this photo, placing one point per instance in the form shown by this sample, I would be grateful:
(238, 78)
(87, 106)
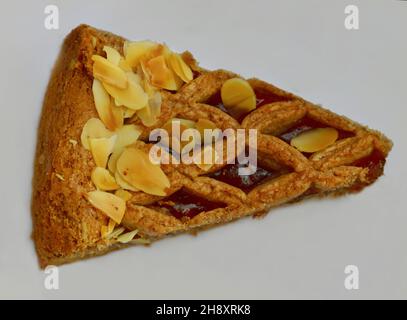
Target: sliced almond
(150, 114)
(103, 180)
(127, 237)
(94, 128)
(161, 75)
(135, 51)
(124, 65)
(111, 205)
(123, 183)
(109, 73)
(128, 113)
(112, 54)
(101, 148)
(111, 164)
(132, 97)
(125, 195)
(107, 230)
(126, 136)
(180, 68)
(116, 232)
(315, 140)
(238, 96)
(111, 115)
(135, 167)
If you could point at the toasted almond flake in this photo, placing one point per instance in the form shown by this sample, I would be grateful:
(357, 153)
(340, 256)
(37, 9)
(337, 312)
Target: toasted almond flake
(315, 140)
(73, 142)
(135, 51)
(125, 195)
(110, 115)
(60, 177)
(117, 103)
(127, 135)
(107, 230)
(109, 73)
(180, 68)
(132, 97)
(103, 180)
(117, 232)
(123, 183)
(112, 54)
(135, 167)
(127, 237)
(161, 75)
(111, 205)
(101, 148)
(128, 113)
(94, 128)
(150, 114)
(103, 232)
(238, 96)
(124, 65)
(111, 164)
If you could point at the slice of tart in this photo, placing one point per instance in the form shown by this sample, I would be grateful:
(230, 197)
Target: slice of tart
(112, 104)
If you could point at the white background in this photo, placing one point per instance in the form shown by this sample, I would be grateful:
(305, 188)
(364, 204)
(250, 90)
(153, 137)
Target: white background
(299, 251)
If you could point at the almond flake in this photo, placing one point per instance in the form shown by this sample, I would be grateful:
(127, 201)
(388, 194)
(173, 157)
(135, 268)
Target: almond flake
(60, 176)
(101, 148)
(109, 73)
(117, 232)
(103, 180)
(135, 51)
(107, 230)
(127, 237)
(123, 183)
(126, 136)
(73, 142)
(150, 114)
(94, 128)
(110, 115)
(238, 96)
(135, 167)
(180, 68)
(161, 75)
(112, 54)
(132, 97)
(125, 195)
(315, 140)
(111, 205)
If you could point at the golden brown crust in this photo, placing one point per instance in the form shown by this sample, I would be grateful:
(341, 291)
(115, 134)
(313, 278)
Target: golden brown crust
(67, 227)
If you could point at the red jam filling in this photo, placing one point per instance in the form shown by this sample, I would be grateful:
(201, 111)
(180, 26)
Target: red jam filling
(230, 175)
(262, 98)
(306, 124)
(183, 204)
(374, 162)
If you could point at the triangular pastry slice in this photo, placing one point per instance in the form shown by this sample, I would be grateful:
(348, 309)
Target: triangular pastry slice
(96, 186)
